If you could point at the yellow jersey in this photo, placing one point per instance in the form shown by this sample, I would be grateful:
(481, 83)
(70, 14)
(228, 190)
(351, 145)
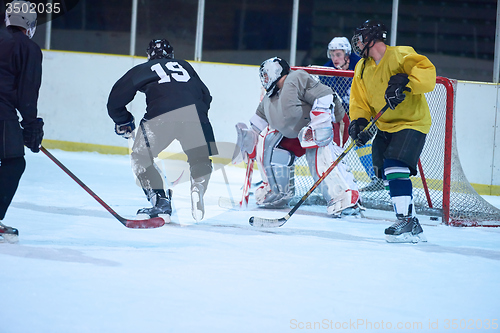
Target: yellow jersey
(370, 82)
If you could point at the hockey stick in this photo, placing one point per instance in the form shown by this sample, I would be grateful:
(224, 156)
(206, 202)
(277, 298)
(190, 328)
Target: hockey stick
(226, 180)
(272, 223)
(424, 183)
(154, 222)
(228, 203)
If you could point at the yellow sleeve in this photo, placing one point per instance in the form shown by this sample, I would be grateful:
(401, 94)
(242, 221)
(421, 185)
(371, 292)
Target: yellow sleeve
(421, 72)
(359, 106)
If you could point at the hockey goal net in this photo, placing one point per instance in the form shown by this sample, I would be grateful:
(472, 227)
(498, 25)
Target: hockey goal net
(440, 188)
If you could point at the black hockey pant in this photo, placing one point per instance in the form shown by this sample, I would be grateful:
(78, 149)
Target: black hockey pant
(11, 170)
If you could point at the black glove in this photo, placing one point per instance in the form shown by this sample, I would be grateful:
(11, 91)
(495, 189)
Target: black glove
(33, 135)
(394, 93)
(356, 128)
(125, 130)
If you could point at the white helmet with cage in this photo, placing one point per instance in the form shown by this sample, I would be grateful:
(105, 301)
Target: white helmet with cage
(20, 14)
(270, 72)
(339, 43)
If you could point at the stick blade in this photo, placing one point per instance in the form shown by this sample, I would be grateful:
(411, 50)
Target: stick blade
(260, 222)
(151, 223)
(228, 203)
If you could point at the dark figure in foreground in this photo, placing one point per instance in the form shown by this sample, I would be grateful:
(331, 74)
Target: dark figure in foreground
(20, 80)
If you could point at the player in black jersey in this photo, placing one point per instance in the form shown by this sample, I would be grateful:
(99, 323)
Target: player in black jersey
(20, 80)
(177, 108)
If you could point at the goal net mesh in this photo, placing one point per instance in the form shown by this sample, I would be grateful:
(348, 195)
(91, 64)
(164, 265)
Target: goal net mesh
(439, 189)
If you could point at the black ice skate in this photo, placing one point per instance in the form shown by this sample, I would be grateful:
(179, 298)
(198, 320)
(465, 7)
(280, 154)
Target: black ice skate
(353, 211)
(407, 229)
(8, 234)
(376, 184)
(162, 206)
(198, 188)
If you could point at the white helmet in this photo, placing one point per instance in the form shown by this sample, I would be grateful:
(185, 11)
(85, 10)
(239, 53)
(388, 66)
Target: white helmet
(339, 43)
(21, 15)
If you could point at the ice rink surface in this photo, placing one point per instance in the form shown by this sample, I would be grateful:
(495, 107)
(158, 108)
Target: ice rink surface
(77, 269)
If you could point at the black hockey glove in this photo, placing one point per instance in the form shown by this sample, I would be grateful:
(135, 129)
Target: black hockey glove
(356, 128)
(125, 130)
(394, 93)
(33, 135)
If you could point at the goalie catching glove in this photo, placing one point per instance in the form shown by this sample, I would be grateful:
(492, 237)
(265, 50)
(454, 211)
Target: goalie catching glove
(394, 93)
(125, 130)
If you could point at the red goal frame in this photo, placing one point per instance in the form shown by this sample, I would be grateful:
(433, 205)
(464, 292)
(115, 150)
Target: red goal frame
(450, 214)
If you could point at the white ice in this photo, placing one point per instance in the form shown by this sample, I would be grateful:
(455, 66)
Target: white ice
(78, 269)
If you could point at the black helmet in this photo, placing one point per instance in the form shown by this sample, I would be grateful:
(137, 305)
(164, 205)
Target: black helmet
(370, 30)
(160, 48)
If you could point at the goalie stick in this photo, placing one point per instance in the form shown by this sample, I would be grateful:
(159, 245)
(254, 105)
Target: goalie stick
(154, 222)
(273, 223)
(248, 182)
(229, 203)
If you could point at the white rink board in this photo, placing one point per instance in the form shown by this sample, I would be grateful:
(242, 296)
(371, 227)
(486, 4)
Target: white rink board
(477, 131)
(76, 86)
(75, 89)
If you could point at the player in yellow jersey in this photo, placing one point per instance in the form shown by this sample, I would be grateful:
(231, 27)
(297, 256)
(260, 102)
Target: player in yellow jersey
(398, 76)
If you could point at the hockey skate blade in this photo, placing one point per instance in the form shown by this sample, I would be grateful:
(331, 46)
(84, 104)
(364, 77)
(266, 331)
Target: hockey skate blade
(267, 223)
(407, 237)
(195, 211)
(166, 217)
(9, 238)
(197, 215)
(153, 222)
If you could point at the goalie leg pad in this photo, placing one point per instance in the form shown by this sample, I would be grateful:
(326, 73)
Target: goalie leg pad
(276, 168)
(342, 202)
(339, 188)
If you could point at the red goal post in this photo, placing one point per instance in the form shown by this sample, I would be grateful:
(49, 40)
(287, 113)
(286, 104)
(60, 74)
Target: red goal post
(441, 188)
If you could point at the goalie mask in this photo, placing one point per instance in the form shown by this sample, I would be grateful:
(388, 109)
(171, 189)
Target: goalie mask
(368, 32)
(271, 71)
(19, 14)
(160, 48)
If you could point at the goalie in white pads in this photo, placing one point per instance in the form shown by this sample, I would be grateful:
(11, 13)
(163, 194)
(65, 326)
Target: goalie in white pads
(295, 118)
